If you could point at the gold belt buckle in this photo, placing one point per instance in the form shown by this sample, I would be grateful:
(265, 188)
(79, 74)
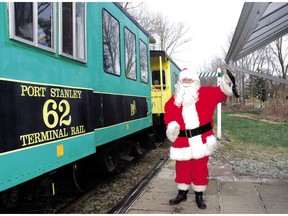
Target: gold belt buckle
(188, 133)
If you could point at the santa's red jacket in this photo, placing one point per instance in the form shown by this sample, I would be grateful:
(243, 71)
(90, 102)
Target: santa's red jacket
(191, 117)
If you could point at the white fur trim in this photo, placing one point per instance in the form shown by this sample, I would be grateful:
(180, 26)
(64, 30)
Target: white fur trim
(190, 116)
(183, 186)
(198, 188)
(211, 143)
(172, 131)
(186, 73)
(225, 88)
(180, 154)
(196, 150)
(200, 150)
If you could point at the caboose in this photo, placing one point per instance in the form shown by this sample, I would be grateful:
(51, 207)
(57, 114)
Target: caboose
(164, 72)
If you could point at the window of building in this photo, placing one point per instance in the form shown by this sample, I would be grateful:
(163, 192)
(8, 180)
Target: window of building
(73, 30)
(33, 23)
(143, 62)
(111, 44)
(130, 54)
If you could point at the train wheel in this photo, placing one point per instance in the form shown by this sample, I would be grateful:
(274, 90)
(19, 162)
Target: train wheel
(89, 172)
(85, 175)
(136, 149)
(77, 177)
(11, 198)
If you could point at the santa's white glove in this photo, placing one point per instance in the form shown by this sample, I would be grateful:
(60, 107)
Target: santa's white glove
(172, 131)
(226, 86)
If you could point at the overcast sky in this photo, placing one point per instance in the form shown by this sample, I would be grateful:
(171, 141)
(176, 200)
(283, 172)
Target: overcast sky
(210, 22)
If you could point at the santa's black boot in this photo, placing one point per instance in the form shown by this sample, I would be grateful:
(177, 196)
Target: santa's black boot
(199, 200)
(182, 196)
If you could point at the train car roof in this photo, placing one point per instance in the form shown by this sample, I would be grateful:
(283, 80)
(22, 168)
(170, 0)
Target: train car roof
(163, 54)
(151, 39)
(260, 23)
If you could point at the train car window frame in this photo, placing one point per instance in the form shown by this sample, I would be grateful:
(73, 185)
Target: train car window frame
(143, 62)
(72, 35)
(111, 51)
(33, 28)
(130, 54)
(175, 78)
(156, 78)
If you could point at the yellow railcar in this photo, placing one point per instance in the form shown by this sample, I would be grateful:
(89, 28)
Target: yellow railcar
(165, 73)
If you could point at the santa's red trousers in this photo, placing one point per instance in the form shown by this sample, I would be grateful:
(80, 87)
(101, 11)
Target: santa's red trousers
(193, 171)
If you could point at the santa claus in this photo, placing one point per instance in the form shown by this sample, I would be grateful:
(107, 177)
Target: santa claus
(188, 116)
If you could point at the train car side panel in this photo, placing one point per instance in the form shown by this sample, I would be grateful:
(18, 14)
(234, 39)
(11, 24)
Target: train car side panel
(47, 109)
(124, 103)
(28, 163)
(175, 70)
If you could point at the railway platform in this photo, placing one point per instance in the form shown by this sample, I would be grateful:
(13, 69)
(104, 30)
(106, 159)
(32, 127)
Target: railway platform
(225, 194)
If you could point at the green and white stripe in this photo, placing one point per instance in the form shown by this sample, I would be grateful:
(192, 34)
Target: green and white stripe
(208, 74)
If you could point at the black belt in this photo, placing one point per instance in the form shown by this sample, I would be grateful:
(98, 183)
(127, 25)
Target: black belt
(196, 131)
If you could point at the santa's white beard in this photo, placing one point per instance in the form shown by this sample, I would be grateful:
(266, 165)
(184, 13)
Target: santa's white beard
(186, 95)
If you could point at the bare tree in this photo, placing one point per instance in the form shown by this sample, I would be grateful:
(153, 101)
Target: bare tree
(131, 5)
(279, 62)
(170, 36)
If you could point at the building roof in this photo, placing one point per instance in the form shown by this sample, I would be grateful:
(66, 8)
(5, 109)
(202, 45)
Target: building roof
(259, 24)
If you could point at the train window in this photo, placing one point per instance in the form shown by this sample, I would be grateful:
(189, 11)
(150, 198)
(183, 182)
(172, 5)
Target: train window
(111, 44)
(45, 24)
(33, 23)
(73, 30)
(67, 28)
(143, 62)
(175, 78)
(130, 54)
(24, 21)
(156, 81)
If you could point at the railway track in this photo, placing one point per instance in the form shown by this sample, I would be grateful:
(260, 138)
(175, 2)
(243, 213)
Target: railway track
(122, 206)
(119, 206)
(126, 202)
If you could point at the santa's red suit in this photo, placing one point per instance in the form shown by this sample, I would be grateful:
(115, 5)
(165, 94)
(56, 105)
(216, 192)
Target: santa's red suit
(191, 154)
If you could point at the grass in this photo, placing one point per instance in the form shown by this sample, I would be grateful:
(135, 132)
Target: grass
(246, 130)
(254, 147)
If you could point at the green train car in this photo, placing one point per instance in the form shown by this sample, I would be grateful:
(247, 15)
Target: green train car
(74, 78)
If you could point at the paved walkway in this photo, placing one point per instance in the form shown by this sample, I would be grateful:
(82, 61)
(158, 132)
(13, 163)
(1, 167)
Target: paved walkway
(226, 193)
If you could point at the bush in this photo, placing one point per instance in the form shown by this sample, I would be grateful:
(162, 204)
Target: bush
(276, 108)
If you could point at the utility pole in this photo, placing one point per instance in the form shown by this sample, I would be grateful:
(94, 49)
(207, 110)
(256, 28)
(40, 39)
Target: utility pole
(219, 106)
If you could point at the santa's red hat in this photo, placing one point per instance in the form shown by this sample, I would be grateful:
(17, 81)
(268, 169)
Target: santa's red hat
(186, 73)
